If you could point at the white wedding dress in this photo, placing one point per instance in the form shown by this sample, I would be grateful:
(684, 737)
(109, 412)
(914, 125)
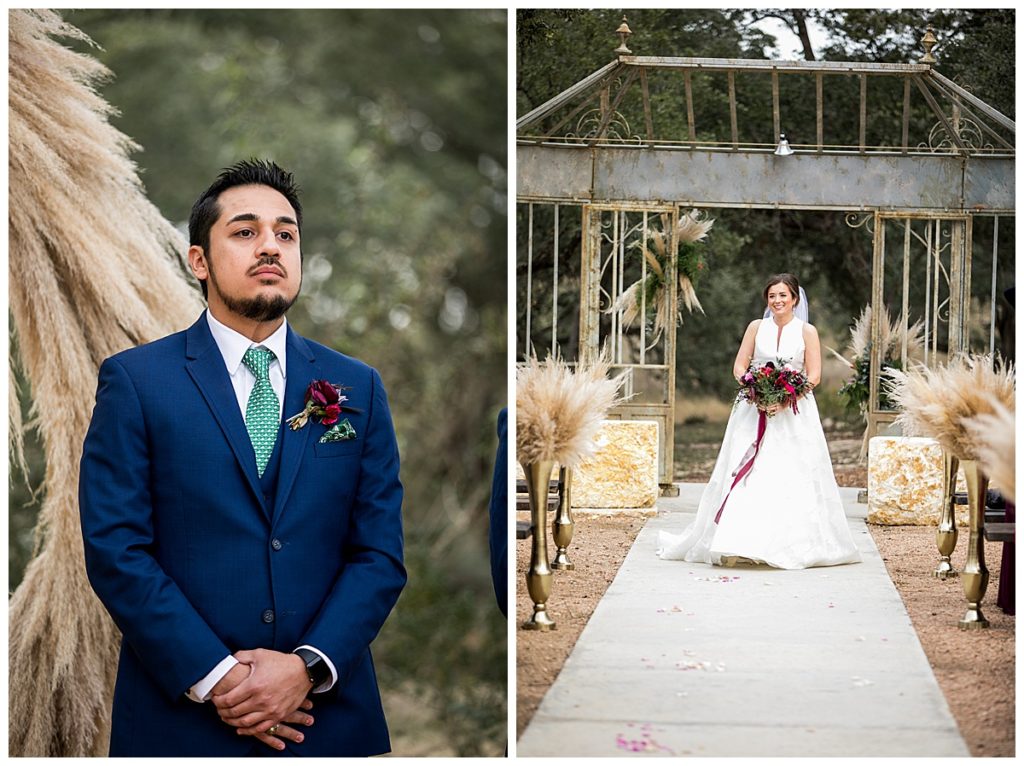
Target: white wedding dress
(787, 511)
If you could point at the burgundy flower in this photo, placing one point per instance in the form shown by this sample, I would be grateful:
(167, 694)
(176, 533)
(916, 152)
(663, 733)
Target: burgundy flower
(323, 402)
(771, 384)
(322, 393)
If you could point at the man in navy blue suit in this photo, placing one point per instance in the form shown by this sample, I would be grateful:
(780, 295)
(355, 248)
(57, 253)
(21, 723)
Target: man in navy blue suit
(498, 512)
(248, 557)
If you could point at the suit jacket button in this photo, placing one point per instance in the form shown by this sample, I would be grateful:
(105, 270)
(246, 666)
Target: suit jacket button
(268, 616)
(276, 544)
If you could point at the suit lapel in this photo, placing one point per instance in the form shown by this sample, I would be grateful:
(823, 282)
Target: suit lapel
(206, 366)
(302, 370)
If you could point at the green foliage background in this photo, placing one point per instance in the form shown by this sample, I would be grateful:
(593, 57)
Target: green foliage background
(557, 48)
(394, 123)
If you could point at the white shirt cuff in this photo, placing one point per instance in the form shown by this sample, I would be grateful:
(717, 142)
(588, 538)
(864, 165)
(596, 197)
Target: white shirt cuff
(326, 685)
(202, 690)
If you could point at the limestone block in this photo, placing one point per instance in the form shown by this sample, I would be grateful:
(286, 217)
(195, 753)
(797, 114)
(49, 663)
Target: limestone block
(623, 473)
(905, 481)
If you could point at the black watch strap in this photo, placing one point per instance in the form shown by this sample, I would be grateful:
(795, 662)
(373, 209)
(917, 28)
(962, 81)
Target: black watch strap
(317, 669)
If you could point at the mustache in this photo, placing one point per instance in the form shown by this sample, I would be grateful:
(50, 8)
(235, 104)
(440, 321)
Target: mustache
(267, 260)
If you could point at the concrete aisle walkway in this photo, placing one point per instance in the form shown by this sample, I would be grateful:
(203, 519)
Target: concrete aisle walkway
(690, 659)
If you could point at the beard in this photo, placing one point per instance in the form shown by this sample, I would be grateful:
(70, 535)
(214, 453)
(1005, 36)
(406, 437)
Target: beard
(261, 308)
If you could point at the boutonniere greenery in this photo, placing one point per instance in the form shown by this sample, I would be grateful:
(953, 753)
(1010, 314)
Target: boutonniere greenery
(324, 402)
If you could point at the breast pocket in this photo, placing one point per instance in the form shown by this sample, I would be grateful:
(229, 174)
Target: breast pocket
(338, 449)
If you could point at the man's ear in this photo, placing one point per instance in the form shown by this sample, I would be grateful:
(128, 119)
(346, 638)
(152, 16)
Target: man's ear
(197, 262)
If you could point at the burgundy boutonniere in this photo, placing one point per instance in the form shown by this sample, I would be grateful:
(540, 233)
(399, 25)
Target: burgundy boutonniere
(324, 401)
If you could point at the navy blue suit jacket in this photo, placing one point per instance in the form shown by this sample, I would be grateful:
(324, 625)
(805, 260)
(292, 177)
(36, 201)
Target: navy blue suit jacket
(193, 562)
(499, 516)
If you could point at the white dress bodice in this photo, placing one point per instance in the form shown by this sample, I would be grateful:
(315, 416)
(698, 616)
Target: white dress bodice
(770, 347)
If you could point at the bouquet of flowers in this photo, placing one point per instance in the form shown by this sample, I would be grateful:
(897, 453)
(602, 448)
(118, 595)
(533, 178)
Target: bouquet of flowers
(772, 383)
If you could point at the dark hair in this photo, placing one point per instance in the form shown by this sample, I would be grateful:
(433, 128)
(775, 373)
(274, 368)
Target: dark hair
(789, 280)
(206, 210)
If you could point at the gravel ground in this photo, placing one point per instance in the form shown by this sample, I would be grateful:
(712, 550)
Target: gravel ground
(975, 669)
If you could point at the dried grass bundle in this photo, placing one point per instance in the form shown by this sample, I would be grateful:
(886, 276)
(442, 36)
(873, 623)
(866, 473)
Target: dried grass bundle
(892, 336)
(938, 402)
(559, 412)
(690, 228)
(995, 440)
(628, 303)
(93, 270)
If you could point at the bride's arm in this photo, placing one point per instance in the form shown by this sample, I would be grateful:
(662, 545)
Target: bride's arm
(746, 352)
(812, 355)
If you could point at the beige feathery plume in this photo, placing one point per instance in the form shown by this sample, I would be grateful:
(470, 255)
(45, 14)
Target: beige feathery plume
(995, 443)
(892, 336)
(559, 412)
(937, 402)
(94, 269)
(690, 227)
(628, 303)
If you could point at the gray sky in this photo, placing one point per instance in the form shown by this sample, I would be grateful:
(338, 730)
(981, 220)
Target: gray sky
(788, 43)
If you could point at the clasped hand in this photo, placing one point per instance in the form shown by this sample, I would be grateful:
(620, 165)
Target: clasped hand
(265, 689)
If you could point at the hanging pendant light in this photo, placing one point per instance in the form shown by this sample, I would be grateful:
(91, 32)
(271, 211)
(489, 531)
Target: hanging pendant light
(783, 149)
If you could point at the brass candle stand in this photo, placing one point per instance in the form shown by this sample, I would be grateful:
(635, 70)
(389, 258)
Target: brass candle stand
(946, 535)
(538, 576)
(975, 575)
(563, 526)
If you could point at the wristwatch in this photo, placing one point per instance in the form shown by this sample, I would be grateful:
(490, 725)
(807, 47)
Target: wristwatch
(316, 668)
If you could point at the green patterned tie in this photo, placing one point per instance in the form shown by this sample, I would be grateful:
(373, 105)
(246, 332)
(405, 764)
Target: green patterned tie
(262, 414)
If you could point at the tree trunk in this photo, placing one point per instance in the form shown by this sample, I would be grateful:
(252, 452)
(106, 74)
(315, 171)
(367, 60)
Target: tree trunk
(800, 18)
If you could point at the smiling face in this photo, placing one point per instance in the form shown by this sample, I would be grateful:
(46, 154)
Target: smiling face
(253, 268)
(781, 300)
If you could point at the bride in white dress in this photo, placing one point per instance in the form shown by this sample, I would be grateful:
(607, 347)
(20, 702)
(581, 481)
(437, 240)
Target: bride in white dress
(786, 512)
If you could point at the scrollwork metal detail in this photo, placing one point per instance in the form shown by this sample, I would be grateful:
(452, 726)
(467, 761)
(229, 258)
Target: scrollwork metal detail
(867, 220)
(967, 131)
(617, 128)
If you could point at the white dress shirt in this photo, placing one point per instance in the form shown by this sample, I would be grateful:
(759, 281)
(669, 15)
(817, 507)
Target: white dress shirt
(233, 346)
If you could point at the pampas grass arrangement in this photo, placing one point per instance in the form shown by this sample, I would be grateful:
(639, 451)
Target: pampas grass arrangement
(94, 269)
(859, 350)
(559, 411)
(690, 229)
(995, 443)
(941, 402)
(892, 336)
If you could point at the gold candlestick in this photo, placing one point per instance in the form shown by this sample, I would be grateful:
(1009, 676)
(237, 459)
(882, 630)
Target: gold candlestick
(946, 535)
(538, 577)
(563, 526)
(975, 575)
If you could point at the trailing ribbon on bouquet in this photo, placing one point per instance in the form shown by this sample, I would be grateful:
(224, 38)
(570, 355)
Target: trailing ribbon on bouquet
(747, 461)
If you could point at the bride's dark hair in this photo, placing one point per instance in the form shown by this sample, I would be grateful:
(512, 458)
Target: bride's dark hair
(789, 280)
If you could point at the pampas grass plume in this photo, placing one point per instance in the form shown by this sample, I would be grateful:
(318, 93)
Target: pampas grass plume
(938, 402)
(94, 269)
(559, 412)
(995, 443)
(892, 336)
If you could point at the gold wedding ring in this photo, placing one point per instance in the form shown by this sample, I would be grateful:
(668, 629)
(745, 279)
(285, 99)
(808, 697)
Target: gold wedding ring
(273, 729)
